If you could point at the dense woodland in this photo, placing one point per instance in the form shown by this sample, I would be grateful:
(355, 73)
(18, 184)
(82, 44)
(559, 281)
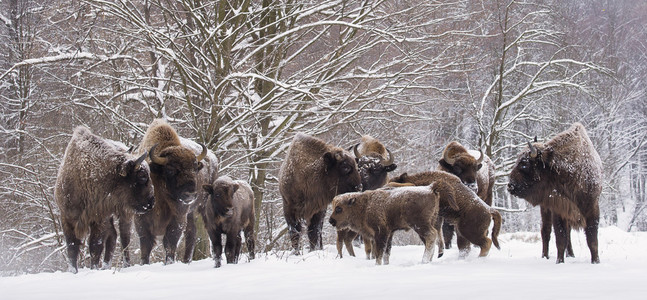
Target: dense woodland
(243, 76)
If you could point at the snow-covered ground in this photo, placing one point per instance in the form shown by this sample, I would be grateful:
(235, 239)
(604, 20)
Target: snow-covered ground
(514, 272)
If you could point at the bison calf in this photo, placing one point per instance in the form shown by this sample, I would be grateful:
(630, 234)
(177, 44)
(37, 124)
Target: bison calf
(377, 214)
(229, 210)
(460, 206)
(96, 180)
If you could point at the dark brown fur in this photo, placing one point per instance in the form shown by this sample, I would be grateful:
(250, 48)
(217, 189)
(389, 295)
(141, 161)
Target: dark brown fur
(469, 213)
(377, 214)
(229, 211)
(174, 178)
(564, 177)
(477, 175)
(312, 173)
(98, 179)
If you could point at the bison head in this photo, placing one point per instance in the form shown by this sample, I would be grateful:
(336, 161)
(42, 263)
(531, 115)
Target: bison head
(221, 196)
(458, 161)
(526, 176)
(373, 168)
(136, 174)
(342, 210)
(177, 167)
(341, 167)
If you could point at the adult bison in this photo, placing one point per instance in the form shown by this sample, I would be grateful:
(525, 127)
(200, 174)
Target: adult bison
(174, 169)
(311, 175)
(564, 177)
(476, 173)
(97, 179)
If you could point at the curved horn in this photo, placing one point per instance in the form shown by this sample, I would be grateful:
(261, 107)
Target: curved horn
(355, 151)
(480, 159)
(388, 162)
(203, 154)
(533, 150)
(140, 159)
(156, 159)
(448, 160)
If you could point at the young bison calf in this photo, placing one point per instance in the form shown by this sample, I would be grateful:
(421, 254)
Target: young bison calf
(229, 210)
(377, 214)
(471, 216)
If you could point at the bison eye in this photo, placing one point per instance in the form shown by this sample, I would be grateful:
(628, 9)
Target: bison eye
(345, 169)
(142, 177)
(338, 210)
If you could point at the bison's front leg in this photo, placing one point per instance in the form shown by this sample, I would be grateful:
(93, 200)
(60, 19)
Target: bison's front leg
(125, 224)
(314, 231)
(216, 243)
(546, 223)
(96, 245)
(448, 234)
(73, 244)
(591, 232)
(189, 238)
(569, 245)
(232, 246)
(294, 231)
(110, 241)
(171, 238)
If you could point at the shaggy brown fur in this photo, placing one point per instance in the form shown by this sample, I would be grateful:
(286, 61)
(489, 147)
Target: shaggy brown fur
(377, 214)
(312, 173)
(97, 179)
(374, 161)
(469, 213)
(229, 211)
(564, 177)
(465, 164)
(174, 169)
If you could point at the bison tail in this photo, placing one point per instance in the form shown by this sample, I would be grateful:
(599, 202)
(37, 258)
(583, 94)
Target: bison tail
(496, 216)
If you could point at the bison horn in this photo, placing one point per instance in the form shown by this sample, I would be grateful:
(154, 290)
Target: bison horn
(156, 159)
(203, 154)
(480, 159)
(533, 150)
(355, 151)
(390, 161)
(446, 157)
(139, 160)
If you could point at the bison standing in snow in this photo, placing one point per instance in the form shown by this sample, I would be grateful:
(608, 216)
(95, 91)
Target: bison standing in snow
(476, 173)
(174, 169)
(229, 210)
(96, 180)
(564, 177)
(311, 175)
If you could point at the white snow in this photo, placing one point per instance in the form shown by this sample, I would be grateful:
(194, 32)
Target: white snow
(514, 272)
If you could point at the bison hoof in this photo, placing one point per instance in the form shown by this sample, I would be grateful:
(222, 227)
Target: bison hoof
(295, 252)
(595, 261)
(440, 254)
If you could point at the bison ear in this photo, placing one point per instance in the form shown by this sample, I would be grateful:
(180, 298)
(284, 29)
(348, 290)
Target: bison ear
(208, 188)
(329, 160)
(444, 164)
(124, 168)
(200, 166)
(479, 167)
(351, 201)
(546, 155)
(390, 167)
(234, 188)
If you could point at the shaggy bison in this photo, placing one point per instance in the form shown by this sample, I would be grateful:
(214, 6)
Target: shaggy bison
(229, 210)
(377, 214)
(374, 161)
(97, 179)
(564, 177)
(174, 169)
(461, 207)
(312, 173)
(476, 173)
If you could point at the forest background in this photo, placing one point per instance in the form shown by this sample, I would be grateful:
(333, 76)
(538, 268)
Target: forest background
(243, 76)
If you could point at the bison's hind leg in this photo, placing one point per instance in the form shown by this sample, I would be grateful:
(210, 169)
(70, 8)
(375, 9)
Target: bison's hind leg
(429, 239)
(73, 244)
(485, 247)
(250, 243)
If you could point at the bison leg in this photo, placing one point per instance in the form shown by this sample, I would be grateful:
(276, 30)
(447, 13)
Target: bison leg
(249, 240)
(428, 237)
(448, 234)
(463, 244)
(591, 232)
(110, 241)
(546, 228)
(381, 240)
(216, 243)
(125, 225)
(439, 237)
(294, 231)
(95, 245)
(569, 245)
(232, 246)
(73, 244)
(368, 248)
(345, 237)
(170, 240)
(314, 230)
(146, 243)
(189, 238)
(559, 224)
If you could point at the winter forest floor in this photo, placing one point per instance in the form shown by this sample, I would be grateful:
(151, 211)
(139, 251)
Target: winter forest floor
(514, 272)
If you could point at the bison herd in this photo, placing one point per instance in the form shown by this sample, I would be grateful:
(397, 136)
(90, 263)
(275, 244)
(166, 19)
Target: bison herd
(168, 179)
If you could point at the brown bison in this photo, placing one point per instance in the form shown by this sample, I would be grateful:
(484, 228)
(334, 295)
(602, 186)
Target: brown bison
(229, 210)
(470, 169)
(468, 212)
(564, 177)
(98, 179)
(174, 169)
(374, 161)
(312, 173)
(377, 214)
